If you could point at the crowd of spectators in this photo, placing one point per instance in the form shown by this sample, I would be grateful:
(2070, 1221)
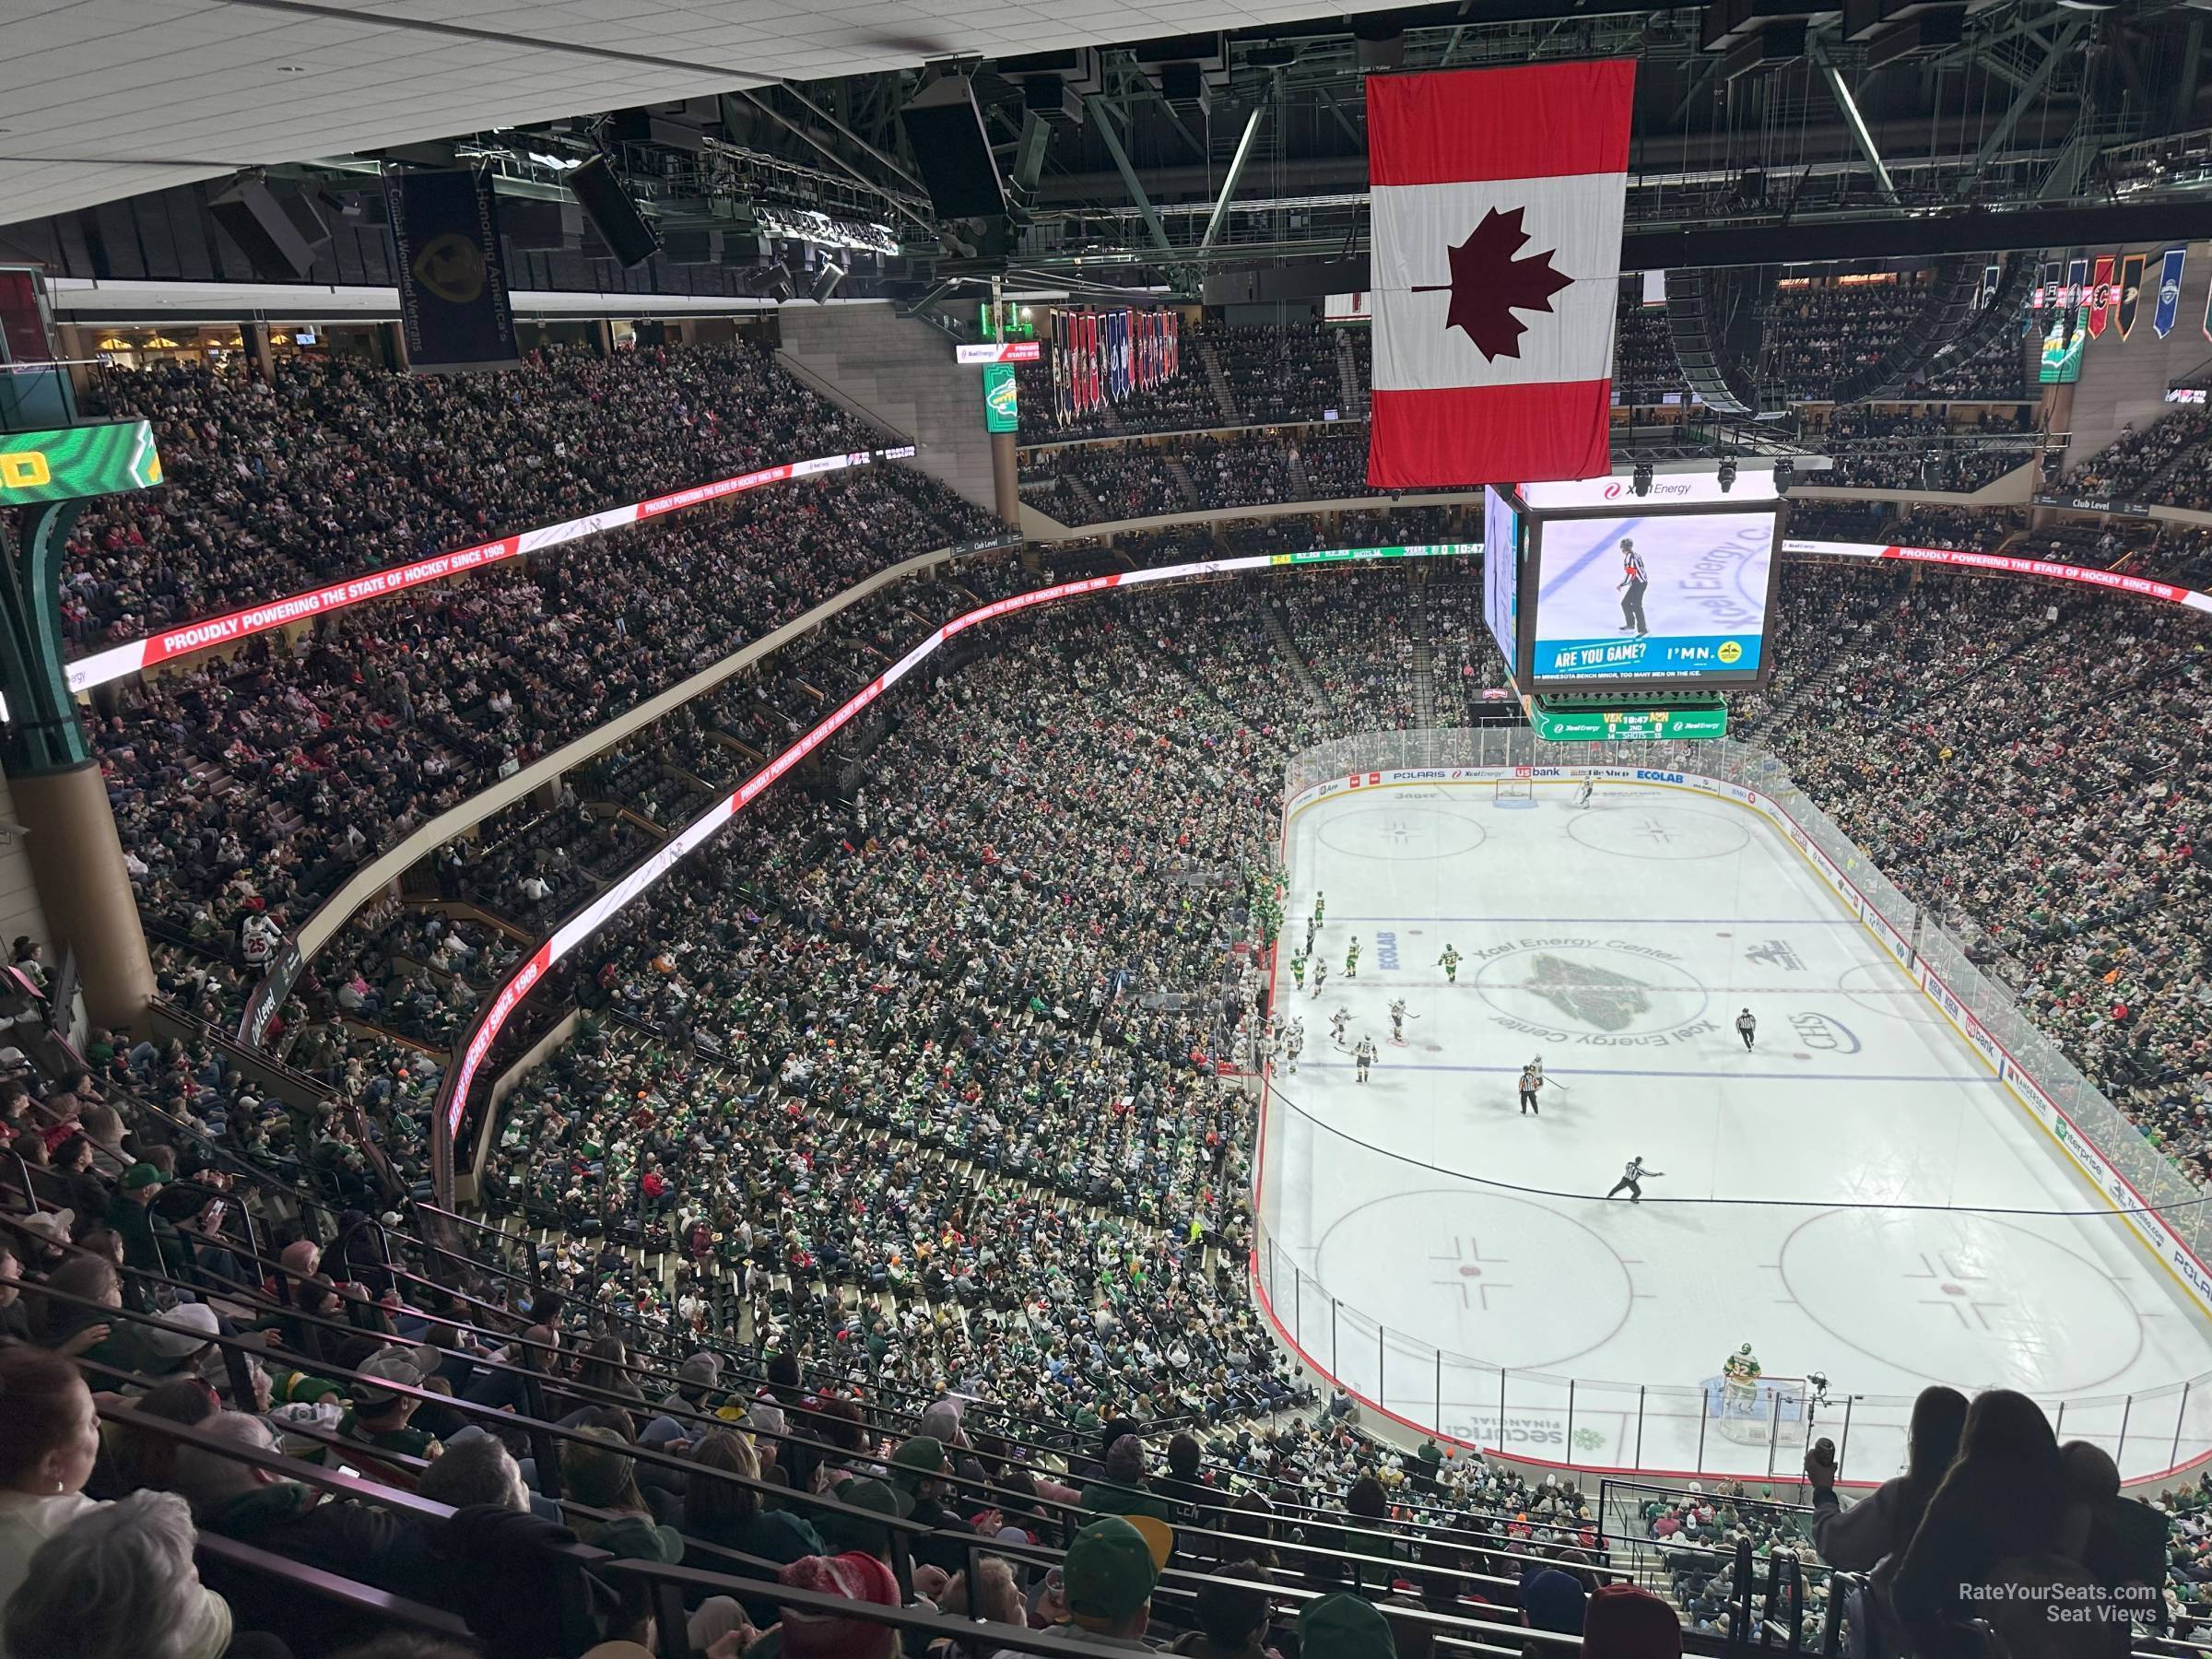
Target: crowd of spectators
(2166, 464)
(248, 786)
(1085, 484)
(2064, 829)
(1276, 374)
(1100, 483)
(1909, 448)
(334, 467)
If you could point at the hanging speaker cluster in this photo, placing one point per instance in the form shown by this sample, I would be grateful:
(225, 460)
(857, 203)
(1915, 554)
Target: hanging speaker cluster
(1716, 318)
(1999, 317)
(1945, 316)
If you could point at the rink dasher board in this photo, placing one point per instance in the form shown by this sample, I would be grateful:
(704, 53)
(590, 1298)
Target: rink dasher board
(2147, 1228)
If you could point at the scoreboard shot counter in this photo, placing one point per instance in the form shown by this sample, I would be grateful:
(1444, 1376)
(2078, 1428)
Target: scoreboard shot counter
(1624, 606)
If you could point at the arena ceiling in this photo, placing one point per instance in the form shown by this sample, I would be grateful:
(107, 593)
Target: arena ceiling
(104, 99)
(1130, 155)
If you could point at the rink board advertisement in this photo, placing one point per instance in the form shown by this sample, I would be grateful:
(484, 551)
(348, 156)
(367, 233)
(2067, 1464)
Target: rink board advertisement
(2147, 1226)
(1652, 598)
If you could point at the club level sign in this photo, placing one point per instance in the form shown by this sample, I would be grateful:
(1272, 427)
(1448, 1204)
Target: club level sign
(1628, 725)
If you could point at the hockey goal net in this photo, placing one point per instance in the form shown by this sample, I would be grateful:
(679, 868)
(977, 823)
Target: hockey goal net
(1771, 1411)
(1513, 789)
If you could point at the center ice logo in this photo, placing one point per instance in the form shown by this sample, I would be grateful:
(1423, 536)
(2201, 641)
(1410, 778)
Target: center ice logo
(1597, 996)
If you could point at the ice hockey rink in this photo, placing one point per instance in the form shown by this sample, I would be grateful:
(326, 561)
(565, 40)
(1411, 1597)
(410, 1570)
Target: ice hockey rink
(1834, 1197)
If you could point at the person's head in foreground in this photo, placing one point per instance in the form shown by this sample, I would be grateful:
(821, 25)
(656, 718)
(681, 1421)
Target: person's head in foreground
(118, 1583)
(1109, 1571)
(813, 1633)
(1344, 1626)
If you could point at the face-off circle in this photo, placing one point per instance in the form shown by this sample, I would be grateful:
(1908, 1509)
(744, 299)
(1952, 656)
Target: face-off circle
(1958, 1297)
(1399, 834)
(1661, 830)
(1477, 1274)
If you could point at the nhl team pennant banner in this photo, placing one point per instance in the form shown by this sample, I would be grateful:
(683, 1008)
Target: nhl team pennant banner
(1496, 198)
(2170, 292)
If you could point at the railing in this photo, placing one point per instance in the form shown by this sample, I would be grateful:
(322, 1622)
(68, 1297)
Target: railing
(1606, 1426)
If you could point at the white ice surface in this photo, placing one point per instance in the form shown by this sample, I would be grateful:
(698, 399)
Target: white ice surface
(1827, 1198)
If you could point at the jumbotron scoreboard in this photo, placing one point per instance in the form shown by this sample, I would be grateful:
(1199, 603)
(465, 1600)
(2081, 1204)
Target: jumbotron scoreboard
(1624, 604)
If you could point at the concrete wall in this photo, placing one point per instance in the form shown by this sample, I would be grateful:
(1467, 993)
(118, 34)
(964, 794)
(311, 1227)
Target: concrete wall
(898, 372)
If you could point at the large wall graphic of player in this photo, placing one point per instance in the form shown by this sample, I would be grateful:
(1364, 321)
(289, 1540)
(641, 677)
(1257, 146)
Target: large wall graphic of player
(1671, 597)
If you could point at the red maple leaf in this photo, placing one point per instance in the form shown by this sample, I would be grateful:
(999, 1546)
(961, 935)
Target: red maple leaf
(1489, 284)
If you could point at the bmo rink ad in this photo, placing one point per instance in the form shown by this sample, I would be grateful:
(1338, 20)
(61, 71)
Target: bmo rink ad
(1679, 597)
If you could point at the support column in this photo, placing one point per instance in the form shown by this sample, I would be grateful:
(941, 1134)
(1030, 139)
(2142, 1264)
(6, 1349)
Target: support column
(77, 863)
(1006, 478)
(255, 336)
(76, 854)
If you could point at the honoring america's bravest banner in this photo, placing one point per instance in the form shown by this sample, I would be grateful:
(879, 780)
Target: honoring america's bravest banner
(1496, 197)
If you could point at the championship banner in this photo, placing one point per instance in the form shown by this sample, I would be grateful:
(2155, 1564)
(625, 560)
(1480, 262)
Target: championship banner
(2170, 292)
(453, 274)
(1496, 198)
(71, 463)
(2077, 284)
(2102, 299)
(2130, 292)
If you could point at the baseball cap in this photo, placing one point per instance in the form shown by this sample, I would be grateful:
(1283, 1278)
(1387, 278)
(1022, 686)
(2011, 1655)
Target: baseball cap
(1345, 1626)
(175, 1344)
(141, 1175)
(394, 1365)
(1112, 1564)
(50, 1225)
(924, 1454)
(850, 1532)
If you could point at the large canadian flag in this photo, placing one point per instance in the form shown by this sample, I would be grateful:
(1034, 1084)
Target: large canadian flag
(1496, 205)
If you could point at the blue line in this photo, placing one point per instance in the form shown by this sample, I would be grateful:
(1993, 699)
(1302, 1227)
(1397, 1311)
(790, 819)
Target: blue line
(1514, 1071)
(1635, 921)
(1627, 527)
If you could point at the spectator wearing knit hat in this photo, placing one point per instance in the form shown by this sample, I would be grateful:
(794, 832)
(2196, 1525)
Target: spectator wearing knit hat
(809, 1633)
(1122, 1490)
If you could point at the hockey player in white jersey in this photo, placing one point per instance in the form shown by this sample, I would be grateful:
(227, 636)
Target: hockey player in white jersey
(1337, 1021)
(1365, 1055)
(1397, 1021)
(1294, 1042)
